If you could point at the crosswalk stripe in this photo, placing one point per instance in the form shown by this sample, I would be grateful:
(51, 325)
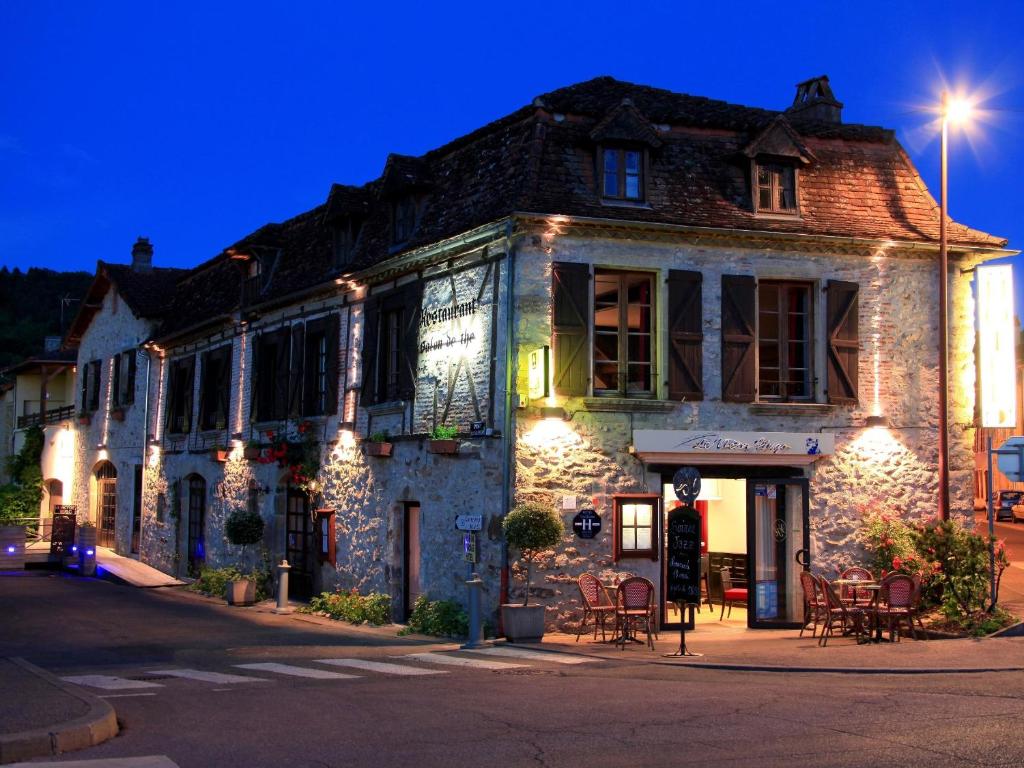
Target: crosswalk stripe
(526, 653)
(289, 669)
(144, 761)
(109, 682)
(206, 676)
(459, 661)
(382, 666)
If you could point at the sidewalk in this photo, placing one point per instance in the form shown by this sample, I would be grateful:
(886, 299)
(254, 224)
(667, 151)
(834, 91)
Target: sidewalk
(40, 715)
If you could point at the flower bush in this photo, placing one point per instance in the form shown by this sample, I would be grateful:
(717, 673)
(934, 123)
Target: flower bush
(352, 607)
(299, 453)
(890, 541)
(440, 618)
(214, 581)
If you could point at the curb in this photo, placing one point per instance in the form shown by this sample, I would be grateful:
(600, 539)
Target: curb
(96, 726)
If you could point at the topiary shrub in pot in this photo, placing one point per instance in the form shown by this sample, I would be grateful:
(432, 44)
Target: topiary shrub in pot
(529, 529)
(242, 528)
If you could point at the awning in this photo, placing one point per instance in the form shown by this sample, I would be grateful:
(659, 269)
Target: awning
(704, 447)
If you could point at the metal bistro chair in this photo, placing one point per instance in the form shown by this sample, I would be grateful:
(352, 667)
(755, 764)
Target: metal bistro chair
(836, 612)
(634, 603)
(815, 607)
(596, 604)
(898, 600)
(731, 594)
(705, 584)
(853, 573)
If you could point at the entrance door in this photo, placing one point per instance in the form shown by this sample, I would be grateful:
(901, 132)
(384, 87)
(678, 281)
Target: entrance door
(196, 524)
(411, 556)
(778, 540)
(106, 490)
(137, 509)
(299, 545)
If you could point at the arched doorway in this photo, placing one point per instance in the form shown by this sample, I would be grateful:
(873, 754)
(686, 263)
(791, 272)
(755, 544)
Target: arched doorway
(196, 523)
(299, 544)
(55, 495)
(106, 508)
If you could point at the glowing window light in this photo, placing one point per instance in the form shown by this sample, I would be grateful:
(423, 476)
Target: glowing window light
(996, 344)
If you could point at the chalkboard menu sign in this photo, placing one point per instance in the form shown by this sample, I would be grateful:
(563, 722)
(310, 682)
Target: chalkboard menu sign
(683, 557)
(62, 535)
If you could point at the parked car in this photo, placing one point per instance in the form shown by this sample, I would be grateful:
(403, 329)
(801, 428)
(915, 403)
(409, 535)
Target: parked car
(1005, 503)
(1018, 513)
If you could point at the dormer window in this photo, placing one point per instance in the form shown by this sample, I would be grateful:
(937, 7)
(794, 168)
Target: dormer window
(252, 286)
(622, 174)
(403, 219)
(346, 232)
(775, 188)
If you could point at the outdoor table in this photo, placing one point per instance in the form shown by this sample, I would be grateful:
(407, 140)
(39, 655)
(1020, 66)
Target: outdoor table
(872, 607)
(855, 584)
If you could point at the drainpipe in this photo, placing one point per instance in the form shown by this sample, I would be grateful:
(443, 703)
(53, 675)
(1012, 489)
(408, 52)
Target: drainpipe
(506, 429)
(145, 450)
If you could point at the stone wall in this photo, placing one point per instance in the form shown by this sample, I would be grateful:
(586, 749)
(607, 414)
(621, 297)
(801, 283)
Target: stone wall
(892, 469)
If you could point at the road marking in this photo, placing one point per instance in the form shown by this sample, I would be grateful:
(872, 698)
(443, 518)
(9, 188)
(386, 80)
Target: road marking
(109, 682)
(145, 761)
(382, 666)
(459, 661)
(122, 695)
(289, 669)
(526, 653)
(207, 677)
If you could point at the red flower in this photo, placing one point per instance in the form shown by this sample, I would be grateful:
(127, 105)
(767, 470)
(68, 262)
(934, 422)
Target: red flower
(303, 427)
(270, 436)
(897, 562)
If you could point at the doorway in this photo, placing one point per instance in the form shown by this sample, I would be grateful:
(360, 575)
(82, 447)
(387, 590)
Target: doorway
(412, 587)
(299, 544)
(137, 509)
(754, 526)
(106, 494)
(196, 524)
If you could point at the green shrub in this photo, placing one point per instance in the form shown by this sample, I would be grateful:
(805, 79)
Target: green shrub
(955, 562)
(891, 543)
(244, 527)
(19, 500)
(214, 581)
(444, 432)
(440, 618)
(352, 607)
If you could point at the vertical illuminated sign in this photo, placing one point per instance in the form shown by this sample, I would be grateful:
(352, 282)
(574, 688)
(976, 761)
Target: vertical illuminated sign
(996, 346)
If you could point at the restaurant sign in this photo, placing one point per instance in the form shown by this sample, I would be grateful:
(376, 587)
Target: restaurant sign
(708, 446)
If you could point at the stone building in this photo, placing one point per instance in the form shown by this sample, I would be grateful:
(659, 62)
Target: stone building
(592, 292)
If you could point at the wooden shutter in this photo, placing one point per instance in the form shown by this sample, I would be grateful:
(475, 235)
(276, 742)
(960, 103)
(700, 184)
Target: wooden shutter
(94, 385)
(739, 308)
(298, 348)
(332, 336)
(685, 335)
(843, 341)
(281, 377)
(187, 395)
(129, 392)
(257, 383)
(409, 352)
(371, 324)
(85, 386)
(224, 382)
(570, 327)
(115, 389)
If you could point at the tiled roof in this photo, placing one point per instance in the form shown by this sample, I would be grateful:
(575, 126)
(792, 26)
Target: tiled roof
(858, 182)
(58, 357)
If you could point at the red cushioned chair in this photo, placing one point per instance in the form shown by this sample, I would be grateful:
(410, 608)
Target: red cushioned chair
(731, 594)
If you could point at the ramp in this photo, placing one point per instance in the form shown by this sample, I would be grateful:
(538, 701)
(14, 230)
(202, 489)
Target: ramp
(131, 571)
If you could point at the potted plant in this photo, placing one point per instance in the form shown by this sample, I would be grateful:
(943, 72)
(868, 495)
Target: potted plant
(242, 528)
(378, 444)
(84, 418)
(530, 529)
(219, 453)
(442, 440)
(252, 450)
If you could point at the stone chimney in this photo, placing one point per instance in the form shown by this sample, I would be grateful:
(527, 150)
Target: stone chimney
(142, 255)
(815, 101)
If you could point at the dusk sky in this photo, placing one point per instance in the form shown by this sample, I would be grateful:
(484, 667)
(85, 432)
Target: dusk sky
(195, 125)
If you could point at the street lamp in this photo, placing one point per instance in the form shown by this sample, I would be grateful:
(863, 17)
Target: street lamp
(953, 110)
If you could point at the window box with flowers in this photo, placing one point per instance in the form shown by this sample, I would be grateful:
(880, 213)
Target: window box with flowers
(378, 445)
(299, 453)
(252, 451)
(443, 441)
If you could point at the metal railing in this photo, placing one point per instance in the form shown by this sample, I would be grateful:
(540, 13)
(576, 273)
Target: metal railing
(51, 416)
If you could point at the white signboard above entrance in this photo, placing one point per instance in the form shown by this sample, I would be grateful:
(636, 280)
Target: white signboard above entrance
(714, 447)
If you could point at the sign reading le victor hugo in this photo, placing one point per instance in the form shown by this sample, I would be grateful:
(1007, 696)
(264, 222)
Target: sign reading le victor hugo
(683, 572)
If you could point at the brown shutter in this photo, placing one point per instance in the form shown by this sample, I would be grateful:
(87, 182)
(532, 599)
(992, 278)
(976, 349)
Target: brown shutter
(115, 388)
(129, 396)
(298, 348)
(255, 413)
(281, 377)
(685, 336)
(409, 356)
(224, 383)
(188, 395)
(843, 341)
(739, 373)
(85, 386)
(371, 323)
(570, 327)
(332, 364)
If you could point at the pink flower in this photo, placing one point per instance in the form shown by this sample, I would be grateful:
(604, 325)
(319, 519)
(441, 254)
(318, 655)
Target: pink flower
(897, 562)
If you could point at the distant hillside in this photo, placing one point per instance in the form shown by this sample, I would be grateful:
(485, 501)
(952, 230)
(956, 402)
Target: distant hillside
(30, 305)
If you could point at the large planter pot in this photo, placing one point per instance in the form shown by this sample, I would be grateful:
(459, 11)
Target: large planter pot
(241, 592)
(523, 623)
(87, 550)
(381, 450)
(12, 547)
(220, 456)
(443, 447)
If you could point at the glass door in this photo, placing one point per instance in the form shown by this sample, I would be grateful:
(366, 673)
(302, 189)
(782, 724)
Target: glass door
(778, 540)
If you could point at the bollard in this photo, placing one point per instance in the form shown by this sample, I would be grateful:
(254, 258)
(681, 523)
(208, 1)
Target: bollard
(475, 638)
(282, 588)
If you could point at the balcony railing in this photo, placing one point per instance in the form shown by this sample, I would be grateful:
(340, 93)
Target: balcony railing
(51, 416)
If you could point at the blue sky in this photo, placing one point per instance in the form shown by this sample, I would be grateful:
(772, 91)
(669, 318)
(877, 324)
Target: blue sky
(194, 125)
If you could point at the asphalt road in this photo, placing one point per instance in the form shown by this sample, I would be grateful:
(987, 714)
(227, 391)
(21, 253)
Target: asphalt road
(1011, 586)
(599, 713)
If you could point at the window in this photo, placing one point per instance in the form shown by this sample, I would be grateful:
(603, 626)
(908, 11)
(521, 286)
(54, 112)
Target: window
(390, 353)
(215, 389)
(179, 395)
(252, 282)
(784, 341)
(272, 375)
(776, 188)
(623, 333)
(316, 385)
(390, 345)
(91, 386)
(636, 526)
(123, 388)
(622, 174)
(403, 219)
(345, 235)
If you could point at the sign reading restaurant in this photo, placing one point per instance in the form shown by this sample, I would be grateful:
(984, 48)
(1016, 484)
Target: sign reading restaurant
(705, 446)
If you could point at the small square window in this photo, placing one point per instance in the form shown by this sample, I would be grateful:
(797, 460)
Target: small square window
(622, 174)
(636, 531)
(776, 188)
